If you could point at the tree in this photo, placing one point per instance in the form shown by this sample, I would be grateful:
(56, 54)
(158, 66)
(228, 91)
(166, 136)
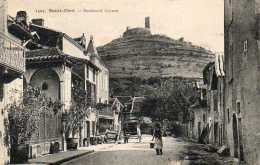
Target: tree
(24, 115)
(169, 97)
(78, 110)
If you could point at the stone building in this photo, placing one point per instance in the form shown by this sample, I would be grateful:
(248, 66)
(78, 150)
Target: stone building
(206, 116)
(61, 67)
(214, 80)
(197, 121)
(12, 66)
(242, 49)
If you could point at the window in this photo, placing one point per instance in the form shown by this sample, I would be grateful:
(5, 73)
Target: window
(230, 60)
(228, 115)
(87, 72)
(44, 86)
(245, 47)
(204, 118)
(123, 68)
(238, 107)
(94, 75)
(93, 128)
(204, 94)
(1, 91)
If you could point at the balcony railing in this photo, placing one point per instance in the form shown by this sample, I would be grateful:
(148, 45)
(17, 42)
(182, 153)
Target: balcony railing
(11, 54)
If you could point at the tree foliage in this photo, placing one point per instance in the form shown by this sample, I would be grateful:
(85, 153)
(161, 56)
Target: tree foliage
(165, 97)
(79, 109)
(24, 115)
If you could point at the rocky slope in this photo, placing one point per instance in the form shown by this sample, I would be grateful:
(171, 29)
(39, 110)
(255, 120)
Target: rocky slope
(138, 53)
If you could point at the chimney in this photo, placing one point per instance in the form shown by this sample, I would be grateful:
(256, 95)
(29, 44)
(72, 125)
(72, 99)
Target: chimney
(91, 38)
(21, 17)
(147, 22)
(38, 21)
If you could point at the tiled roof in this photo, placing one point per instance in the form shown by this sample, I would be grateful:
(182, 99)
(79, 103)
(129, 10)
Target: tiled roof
(44, 54)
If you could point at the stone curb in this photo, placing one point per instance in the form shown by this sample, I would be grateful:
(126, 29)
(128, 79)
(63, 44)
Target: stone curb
(65, 159)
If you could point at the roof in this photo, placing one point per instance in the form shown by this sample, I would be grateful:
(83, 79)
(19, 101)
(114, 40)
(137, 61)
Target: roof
(206, 71)
(18, 30)
(138, 99)
(81, 40)
(112, 101)
(53, 54)
(50, 37)
(44, 54)
(124, 99)
(91, 49)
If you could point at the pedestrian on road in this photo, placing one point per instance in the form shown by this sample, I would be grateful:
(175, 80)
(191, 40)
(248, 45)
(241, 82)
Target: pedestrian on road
(125, 135)
(157, 135)
(139, 135)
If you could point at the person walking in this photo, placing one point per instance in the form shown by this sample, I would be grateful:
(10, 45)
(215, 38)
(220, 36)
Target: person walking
(125, 135)
(139, 134)
(157, 135)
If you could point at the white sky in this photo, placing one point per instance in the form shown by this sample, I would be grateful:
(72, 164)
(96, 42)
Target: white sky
(198, 21)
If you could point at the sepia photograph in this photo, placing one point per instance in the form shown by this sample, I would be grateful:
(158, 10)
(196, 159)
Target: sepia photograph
(130, 82)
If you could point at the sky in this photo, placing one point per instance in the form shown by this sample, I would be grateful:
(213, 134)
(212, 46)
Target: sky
(198, 21)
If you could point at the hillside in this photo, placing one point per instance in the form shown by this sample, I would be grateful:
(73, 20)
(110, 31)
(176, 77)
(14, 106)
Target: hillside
(138, 53)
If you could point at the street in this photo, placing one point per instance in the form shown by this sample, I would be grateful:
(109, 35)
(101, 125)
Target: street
(174, 153)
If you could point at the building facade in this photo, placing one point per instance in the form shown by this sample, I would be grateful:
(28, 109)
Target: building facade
(63, 68)
(214, 80)
(12, 66)
(242, 96)
(206, 116)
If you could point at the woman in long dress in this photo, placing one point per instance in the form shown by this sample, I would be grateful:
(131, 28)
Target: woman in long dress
(157, 135)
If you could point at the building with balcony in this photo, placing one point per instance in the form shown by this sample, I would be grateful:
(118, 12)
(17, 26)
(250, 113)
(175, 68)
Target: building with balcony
(12, 67)
(63, 68)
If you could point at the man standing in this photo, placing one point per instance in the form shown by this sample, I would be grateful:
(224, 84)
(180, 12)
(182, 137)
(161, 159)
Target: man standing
(139, 135)
(125, 135)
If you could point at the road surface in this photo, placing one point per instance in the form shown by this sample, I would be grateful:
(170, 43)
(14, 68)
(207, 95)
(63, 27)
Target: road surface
(175, 152)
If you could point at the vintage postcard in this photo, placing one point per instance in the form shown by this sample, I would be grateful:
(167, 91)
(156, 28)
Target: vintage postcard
(120, 82)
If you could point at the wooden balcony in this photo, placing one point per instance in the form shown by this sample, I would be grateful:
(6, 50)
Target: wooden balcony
(12, 58)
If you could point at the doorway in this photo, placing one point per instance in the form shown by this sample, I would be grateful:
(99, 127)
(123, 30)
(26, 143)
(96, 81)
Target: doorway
(235, 135)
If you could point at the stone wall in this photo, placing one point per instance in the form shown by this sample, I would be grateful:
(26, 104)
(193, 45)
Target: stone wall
(242, 80)
(12, 92)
